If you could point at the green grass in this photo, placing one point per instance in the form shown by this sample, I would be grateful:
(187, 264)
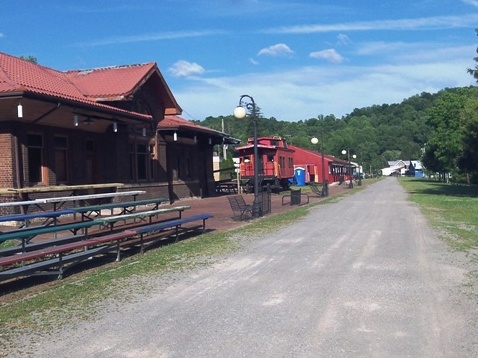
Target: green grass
(449, 208)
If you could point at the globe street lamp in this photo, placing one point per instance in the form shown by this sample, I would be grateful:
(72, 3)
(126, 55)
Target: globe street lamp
(325, 190)
(240, 113)
(351, 185)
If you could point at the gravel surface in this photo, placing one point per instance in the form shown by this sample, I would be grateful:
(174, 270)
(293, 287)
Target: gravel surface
(361, 277)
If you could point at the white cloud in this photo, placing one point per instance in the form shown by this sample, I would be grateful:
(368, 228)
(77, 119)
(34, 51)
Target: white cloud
(276, 50)
(185, 69)
(148, 37)
(305, 92)
(471, 2)
(253, 61)
(330, 55)
(343, 39)
(437, 22)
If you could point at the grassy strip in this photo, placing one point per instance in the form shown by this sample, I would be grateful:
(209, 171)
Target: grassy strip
(449, 208)
(78, 296)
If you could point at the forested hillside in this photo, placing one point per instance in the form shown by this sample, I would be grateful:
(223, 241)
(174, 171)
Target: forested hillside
(440, 124)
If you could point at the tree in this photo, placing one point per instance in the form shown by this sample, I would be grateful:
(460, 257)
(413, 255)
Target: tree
(474, 71)
(29, 58)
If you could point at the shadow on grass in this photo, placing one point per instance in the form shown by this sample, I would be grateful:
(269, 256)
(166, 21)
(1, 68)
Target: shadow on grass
(429, 187)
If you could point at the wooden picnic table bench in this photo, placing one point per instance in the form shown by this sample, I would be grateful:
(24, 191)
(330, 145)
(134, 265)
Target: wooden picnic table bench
(142, 216)
(125, 207)
(26, 218)
(59, 201)
(37, 261)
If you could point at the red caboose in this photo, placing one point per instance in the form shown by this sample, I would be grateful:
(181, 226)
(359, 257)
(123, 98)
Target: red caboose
(276, 163)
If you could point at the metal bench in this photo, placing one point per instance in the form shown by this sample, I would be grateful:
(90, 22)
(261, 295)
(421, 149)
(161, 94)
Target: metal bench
(39, 261)
(50, 216)
(28, 233)
(126, 207)
(174, 225)
(316, 190)
(141, 215)
(239, 206)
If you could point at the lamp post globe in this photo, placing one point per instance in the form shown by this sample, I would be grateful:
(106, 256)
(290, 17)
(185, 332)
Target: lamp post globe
(325, 190)
(240, 113)
(351, 185)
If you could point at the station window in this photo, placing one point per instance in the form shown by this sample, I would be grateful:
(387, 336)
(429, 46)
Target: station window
(35, 158)
(139, 159)
(61, 159)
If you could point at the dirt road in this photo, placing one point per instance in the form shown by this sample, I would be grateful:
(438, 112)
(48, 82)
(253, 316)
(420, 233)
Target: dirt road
(361, 277)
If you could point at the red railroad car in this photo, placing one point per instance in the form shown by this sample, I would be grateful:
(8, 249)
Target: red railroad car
(276, 163)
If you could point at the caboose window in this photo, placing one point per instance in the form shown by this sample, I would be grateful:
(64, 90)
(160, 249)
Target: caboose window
(247, 159)
(274, 143)
(270, 157)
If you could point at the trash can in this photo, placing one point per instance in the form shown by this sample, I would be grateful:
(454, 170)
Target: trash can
(299, 174)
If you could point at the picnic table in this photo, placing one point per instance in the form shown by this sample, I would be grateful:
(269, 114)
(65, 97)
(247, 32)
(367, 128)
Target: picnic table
(56, 188)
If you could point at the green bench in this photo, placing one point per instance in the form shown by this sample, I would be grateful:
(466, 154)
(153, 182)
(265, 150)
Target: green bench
(126, 207)
(142, 216)
(28, 233)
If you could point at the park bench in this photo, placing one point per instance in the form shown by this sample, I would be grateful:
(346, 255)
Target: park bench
(51, 217)
(128, 207)
(239, 206)
(316, 190)
(31, 246)
(157, 231)
(52, 260)
(28, 233)
(295, 197)
(141, 216)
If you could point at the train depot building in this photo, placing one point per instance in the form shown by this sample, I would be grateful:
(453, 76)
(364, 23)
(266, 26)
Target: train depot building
(117, 124)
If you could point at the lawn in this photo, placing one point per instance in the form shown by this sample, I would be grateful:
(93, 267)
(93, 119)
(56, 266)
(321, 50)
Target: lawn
(451, 209)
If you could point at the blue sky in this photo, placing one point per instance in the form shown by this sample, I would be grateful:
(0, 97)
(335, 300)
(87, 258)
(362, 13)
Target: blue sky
(297, 59)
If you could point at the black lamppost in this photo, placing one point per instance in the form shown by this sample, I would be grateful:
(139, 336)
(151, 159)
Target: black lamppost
(351, 184)
(240, 112)
(325, 190)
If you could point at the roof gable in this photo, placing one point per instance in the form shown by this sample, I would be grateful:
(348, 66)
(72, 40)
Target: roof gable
(87, 86)
(110, 83)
